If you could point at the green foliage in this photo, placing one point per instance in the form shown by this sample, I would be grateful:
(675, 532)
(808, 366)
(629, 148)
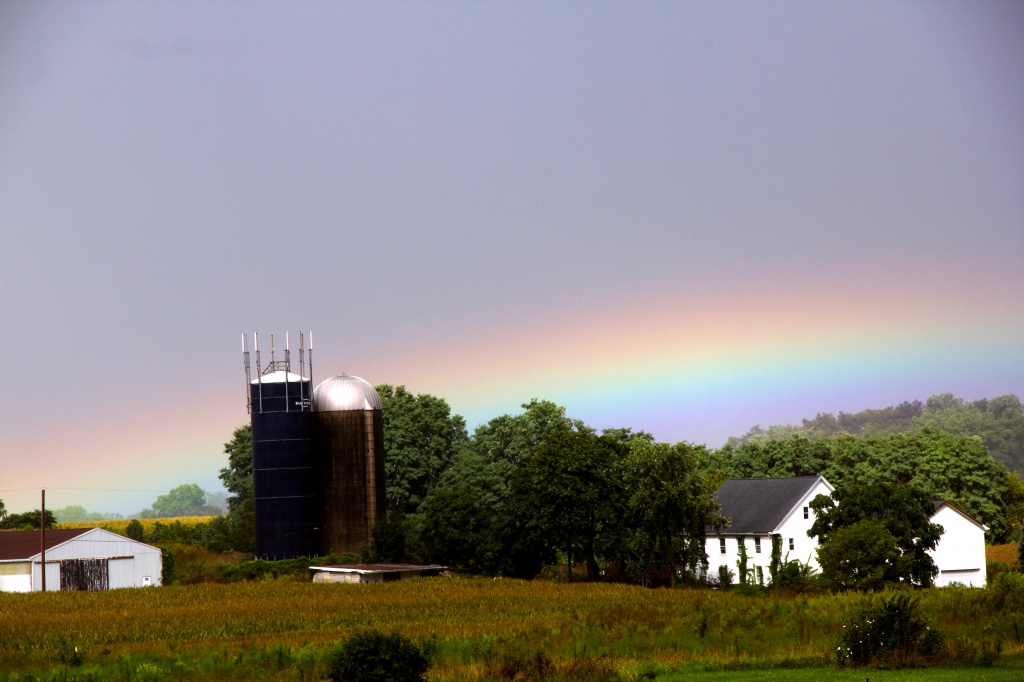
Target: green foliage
(571, 490)
(240, 534)
(776, 562)
(167, 570)
(389, 537)
(892, 634)
(947, 467)
(741, 563)
(997, 422)
(3, 511)
(135, 531)
(668, 507)
(725, 576)
(863, 556)
(77, 512)
(901, 511)
(460, 528)
(27, 520)
(421, 437)
(184, 500)
(371, 656)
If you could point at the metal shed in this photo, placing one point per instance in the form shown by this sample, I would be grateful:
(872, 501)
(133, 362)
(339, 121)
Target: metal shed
(76, 559)
(373, 573)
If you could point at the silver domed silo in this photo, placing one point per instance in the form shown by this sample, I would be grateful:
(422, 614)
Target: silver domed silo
(349, 442)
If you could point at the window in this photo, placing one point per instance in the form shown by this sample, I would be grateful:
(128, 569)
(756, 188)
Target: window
(721, 544)
(807, 514)
(792, 545)
(757, 545)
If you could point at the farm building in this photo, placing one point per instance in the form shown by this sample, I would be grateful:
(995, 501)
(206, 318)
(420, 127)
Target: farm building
(372, 573)
(76, 559)
(960, 552)
(762, 507)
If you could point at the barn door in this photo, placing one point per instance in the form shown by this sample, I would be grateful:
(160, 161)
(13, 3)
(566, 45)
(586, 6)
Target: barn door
(84, 574)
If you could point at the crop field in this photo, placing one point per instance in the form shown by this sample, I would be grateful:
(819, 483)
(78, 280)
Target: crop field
(119, 525)
(276, 629)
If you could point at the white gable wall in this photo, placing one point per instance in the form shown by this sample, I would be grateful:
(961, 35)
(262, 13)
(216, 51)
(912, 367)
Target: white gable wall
(794, 527)
(960, 552)
(134, 563)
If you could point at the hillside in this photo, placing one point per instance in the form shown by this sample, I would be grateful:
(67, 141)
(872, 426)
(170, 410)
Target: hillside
(998, 422)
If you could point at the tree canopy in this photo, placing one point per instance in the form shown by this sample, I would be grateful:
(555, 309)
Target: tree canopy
(901, 511)
(185, 500)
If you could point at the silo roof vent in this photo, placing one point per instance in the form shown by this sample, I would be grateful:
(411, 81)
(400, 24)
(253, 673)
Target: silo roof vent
(345, 392)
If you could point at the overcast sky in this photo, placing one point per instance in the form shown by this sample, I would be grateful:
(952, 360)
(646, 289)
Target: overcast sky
(686, 217)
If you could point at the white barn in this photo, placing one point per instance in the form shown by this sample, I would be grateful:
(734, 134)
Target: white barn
(762, 507)
(960, 552)
(758, 509)
(76, 559)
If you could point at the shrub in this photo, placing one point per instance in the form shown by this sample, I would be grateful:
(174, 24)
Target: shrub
(725, 576)
(371, 656)
(890, 635)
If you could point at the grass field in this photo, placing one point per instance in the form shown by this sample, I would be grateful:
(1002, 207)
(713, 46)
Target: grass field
(276, 629)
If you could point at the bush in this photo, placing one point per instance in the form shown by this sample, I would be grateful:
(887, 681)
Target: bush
(371, 656)
(890, 635)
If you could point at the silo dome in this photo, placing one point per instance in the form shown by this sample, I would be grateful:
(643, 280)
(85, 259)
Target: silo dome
(345, 392)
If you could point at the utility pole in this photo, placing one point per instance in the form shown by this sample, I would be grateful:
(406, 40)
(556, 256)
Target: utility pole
(42, 540)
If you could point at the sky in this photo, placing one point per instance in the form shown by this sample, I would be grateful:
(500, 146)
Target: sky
(682, 217)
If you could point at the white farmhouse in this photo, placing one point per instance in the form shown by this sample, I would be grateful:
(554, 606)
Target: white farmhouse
(76, 559)
(960, 552)
(760, 508)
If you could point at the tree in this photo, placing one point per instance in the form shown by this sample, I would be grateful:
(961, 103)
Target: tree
(669, 504)
(571, 489)
(185, 500)
(27, 520)
(859, 557)
(135, 531)
(237, 479)
(460, 528)
(901, 510)
(421, 437)
(3, 511)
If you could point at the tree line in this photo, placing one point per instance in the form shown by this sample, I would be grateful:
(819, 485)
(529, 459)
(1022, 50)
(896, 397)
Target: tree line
(526, 490)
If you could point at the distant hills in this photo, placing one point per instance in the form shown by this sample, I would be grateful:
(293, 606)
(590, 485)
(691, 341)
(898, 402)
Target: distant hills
(998, 422)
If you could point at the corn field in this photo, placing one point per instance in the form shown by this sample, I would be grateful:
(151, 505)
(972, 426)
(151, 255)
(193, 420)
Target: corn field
(472, 620)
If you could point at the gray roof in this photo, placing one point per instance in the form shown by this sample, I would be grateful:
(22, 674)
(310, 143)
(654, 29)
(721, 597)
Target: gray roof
(760, 505)
(345, 392)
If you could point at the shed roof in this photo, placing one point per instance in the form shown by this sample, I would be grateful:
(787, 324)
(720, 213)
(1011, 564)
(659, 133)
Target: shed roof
(760, 505)
(939, 504)
(377, 568)
(21, 545)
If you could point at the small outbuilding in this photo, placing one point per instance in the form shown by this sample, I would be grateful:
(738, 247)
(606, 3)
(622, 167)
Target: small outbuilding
(373, 573)
(960, 552)
(76, 559)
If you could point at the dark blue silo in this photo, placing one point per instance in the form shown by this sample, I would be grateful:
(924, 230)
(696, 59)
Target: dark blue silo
(285, 485)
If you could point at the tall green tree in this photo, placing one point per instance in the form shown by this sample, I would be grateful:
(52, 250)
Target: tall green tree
(27, 520)
(240, 532)
(571, 488)
(668, 506)
(903, 511)
(421, 438)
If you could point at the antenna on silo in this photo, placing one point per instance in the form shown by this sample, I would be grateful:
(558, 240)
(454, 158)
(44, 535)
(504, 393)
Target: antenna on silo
(287, 371)
(259, 372)
(272, 363)
(311, 369)
(302, 371)
(248, 375)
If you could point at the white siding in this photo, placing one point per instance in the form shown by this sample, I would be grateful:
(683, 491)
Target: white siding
(960, 552)
(794, 526)
(16, 576)
(138, 560)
